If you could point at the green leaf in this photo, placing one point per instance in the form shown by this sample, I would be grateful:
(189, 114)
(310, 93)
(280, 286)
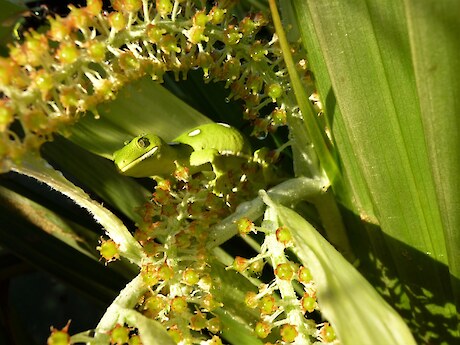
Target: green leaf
(433, 31)
(390, 96)
(98, 175)
(56, 245)
(38, 169)
(343, 294)
(237, 318)
(62, 229)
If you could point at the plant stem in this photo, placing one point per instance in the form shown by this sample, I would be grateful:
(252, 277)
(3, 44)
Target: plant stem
(127, 298)
(326, 204)
(288, 193)
(309, 119)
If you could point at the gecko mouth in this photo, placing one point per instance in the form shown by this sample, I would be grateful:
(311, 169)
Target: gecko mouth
(140, 159)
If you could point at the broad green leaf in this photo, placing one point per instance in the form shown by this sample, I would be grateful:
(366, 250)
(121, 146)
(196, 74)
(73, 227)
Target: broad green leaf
(210, 99)
(433, 34)
(357, 312)
(363, 55)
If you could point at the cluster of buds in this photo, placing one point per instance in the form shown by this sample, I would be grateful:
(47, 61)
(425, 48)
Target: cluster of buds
(281, 319)
(173, 235)
(182, 293)
(83, 59)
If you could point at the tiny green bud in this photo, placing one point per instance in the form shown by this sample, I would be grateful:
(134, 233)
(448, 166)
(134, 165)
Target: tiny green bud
(288, 333)
(129, 6)
(197, 321)
(214, 325)
(284, 271)
(250, 299)
(232, 69)
(119, 335)
(257, 51)
(58, 29)
(240, 264)
(231, 35)
(135, 340)
(154, 33)
(109, 250)
(262, 329)
(154, 305)
(168, 44)
(97, 50)
(308, 303)
(149, 275)
(117, 21)
(248, 27)
(165, 272)
(217, 15)
(191, 276)
(210, 303)
(267, 305)
(327, 333)
(279, 117)
(196, 34)
(179, 305)
(67, 53)
(274, 91)
(175, 334)
(164, 7)
(59, 337)
(200, 18)
(244, 226)
(304, 275)
(128, 62)
(256, 267)
(94, 7)
(283, 235)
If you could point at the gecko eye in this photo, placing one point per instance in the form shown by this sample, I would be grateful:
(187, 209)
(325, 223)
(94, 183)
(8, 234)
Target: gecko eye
(143, 142)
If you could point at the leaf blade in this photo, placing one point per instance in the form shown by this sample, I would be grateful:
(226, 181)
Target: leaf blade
(343, 294)
(438, 91)
(366, 51)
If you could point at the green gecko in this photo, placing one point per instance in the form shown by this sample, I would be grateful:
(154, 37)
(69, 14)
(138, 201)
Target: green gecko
(215, 146)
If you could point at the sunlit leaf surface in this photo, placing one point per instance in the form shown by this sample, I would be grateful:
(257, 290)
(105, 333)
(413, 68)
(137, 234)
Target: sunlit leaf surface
(383, 113)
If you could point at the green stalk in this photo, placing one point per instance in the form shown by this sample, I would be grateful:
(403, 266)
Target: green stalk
(326, 203)
(309, 119)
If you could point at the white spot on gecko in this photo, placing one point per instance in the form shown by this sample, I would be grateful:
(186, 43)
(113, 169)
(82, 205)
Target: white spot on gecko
(194, 133)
